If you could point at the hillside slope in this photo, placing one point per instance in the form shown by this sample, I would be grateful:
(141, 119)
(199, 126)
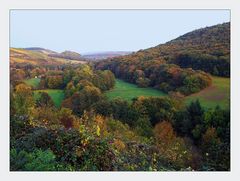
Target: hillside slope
(37, 57)
(178, 65)
(214, 41)
(41, 50)
(206, 49)
(68, 55)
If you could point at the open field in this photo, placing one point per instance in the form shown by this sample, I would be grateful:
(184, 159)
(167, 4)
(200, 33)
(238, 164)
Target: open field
(33, 82)
(217, 94)
(57, 95)
(128, 91)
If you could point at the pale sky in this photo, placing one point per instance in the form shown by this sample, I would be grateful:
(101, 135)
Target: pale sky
(105, 30)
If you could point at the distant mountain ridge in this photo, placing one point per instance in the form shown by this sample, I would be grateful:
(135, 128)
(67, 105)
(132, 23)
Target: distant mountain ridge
(68, 55)
(71, 55)
(105, 55)
(39, 56)
(41, 50)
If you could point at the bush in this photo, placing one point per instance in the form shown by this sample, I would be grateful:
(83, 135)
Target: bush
(157, 109)
(143, 127)
(44, 100)
(37, 160)
(143, 82)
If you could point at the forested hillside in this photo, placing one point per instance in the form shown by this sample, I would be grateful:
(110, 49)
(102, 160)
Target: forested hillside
(206, 49)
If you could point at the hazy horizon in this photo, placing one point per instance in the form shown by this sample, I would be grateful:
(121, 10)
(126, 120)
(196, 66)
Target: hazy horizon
(96, 31)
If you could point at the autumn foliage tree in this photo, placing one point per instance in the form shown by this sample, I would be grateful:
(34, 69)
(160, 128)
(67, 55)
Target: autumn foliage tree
(23, 99)
(173, 147)
(83, 99)
(44, 100)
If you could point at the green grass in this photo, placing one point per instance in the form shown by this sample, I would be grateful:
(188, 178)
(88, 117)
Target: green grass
(217, 94)
(33, 82)
(57, 95)
(127, 91)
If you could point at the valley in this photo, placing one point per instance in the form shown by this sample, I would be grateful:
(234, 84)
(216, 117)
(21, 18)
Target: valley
(164, 108)
(215, 95)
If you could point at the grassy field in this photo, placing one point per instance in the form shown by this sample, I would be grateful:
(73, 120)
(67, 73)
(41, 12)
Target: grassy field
(33, 82)
(217, 94)
(128, 91)
(57, 95)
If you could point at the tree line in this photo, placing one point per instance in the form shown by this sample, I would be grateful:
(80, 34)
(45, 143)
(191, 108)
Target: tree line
(157, 74)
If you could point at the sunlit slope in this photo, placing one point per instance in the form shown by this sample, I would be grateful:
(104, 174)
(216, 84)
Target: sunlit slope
(216, 94)
(19, 55)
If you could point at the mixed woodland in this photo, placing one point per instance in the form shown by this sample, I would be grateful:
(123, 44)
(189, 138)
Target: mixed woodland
(90, 132)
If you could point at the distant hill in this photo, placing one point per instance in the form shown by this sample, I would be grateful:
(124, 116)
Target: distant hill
(105, 55)
(37, 56)
(68, 55)
(41, 50)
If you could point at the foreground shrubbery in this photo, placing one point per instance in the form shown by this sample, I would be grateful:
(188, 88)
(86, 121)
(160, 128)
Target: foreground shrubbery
(55, 139)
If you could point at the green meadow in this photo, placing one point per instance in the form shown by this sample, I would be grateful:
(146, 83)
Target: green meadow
(216, 94)
(129, 91)
(57, 95)
(34, 82)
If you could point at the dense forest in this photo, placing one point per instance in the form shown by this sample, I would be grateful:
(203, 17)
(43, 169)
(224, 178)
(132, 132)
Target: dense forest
(89, 132)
